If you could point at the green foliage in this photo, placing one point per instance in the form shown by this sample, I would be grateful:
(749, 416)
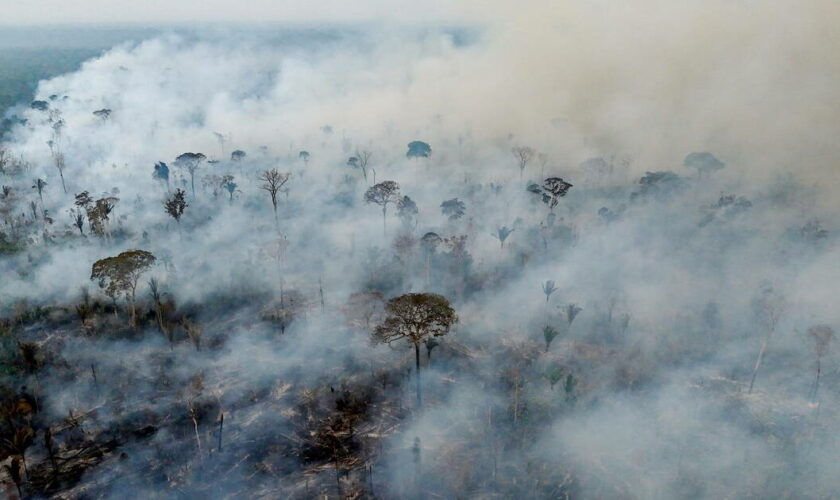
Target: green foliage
(554, 375)
(549, 333)
(118, 275)
(415, 317)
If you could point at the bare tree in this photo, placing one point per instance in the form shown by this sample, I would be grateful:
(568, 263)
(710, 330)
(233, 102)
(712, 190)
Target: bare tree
(523, 155)
(273, 181)
(221, 139)
(155, 292)
(363, 309)
(415, 317)
(39, 186)
(821, 335)
(363, 158)
(382, 194)
(58, 161)
(769, 307)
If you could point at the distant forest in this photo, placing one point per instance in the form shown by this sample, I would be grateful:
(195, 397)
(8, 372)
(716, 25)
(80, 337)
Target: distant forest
(29, 55)
(22, 68)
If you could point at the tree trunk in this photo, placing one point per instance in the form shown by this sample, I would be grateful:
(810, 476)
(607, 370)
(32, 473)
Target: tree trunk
(816, 382)
(61, 173)
(384, 223)
(417, 375)
(758, 362)
(221, 427)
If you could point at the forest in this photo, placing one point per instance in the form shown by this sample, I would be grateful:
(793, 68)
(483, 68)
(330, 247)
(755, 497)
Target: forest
(420, 263)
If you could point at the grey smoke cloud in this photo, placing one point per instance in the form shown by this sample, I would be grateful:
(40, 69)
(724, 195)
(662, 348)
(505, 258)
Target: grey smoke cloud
(661, 410)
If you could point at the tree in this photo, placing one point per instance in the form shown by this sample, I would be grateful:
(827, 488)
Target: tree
(548, 288)
(768, 307)
(161, 173)
(523, 155)
(363, 158)
(40, 105)
(429, 243)
(415, 317)
(549, 334)
(704, 162)
(120, 274)
(382, 194)
(175, 206)
(157, 298)
(78, 217)
(821, 335)
(238, 155)
(552, 189)
(4, 159)
(58, 161)
(418, 149)
(555, 188)
(273, 181)
(103, 114)
(364, 309)
(221, 139)
(190, 161)
(39, 185)
(502, 234)
(454, 209)
(99, 214)
(229, 186)
(304, 155)
(407, 211)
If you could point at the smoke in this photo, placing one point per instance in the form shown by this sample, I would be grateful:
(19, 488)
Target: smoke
(677, 280)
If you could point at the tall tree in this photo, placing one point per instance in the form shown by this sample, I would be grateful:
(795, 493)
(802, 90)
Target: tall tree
(229, 186)
(502, 234)
(704, 162)
(363, 157)
(190, 161)
(768, 307)
(407, 211)
(453, 209)
(382, 194)
(418, 149)
(39, 186)
(161, 173)
(273, 181)
(175, 206)
(523, 155)
(821, 335)
(119, 275)
(415, 317)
